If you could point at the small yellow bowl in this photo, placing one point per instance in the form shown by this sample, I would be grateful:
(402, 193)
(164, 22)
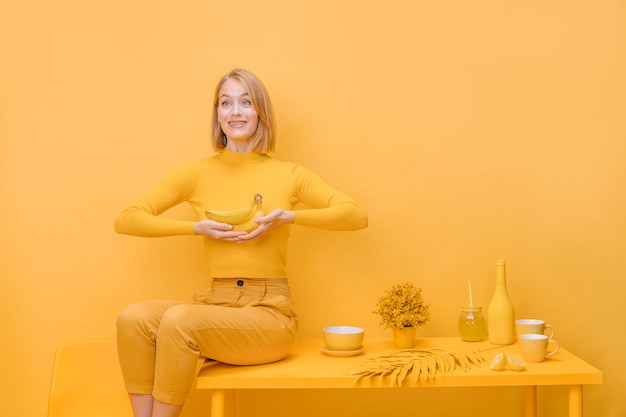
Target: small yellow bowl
(343, 338)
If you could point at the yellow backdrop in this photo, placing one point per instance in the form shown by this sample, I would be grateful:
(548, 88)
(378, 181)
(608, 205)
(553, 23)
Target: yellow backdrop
(470, 131)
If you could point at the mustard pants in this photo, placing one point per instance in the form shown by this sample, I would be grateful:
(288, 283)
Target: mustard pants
(236, 321)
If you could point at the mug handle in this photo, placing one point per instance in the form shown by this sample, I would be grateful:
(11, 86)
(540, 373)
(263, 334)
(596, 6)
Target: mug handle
(549, 326)
(556, 349)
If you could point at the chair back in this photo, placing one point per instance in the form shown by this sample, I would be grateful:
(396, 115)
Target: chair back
(87, 381)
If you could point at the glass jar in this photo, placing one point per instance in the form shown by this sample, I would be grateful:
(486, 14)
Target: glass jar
(472, 323)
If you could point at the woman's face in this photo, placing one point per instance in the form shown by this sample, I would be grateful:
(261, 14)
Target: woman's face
(236, 114)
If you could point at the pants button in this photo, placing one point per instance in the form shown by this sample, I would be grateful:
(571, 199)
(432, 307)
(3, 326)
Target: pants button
(240, 283)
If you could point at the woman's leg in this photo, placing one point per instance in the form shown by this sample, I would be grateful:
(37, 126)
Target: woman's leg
(255, 326)
(144, 404)
(137, 326)
(141, 404)
(159, 342)
(166, 410)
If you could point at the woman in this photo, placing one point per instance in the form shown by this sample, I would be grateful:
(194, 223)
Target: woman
(246, 316)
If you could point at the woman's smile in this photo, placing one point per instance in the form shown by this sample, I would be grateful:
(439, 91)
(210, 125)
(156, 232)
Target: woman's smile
(237, 123)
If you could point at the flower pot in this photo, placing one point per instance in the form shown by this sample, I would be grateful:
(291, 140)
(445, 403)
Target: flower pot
(404, 337)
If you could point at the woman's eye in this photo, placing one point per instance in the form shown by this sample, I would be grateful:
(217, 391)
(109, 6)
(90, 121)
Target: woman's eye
(247, 103)
(225, 104)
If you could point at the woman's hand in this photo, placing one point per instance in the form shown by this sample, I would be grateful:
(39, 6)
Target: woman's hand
(224, 231)
(266, 223)
(216, 230)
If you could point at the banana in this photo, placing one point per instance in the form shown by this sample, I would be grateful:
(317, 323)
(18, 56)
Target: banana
(250, 225)
(236, 216)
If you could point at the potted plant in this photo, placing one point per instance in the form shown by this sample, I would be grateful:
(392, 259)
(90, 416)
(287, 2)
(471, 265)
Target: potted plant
(403, 309)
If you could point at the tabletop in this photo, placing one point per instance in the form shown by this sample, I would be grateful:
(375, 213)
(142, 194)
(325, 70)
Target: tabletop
(307, 367)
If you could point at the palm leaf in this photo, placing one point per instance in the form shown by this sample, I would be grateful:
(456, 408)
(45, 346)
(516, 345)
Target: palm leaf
(417, 364)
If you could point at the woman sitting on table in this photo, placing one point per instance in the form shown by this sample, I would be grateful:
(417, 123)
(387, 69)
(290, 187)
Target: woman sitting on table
(246, 316)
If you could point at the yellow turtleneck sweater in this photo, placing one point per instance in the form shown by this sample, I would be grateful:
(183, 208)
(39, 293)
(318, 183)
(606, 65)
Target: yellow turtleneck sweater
(227, 181)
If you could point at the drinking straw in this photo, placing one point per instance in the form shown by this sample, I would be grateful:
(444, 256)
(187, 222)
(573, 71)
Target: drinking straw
(470, 315)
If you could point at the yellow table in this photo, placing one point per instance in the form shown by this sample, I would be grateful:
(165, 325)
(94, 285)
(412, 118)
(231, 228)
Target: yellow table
(308, 368)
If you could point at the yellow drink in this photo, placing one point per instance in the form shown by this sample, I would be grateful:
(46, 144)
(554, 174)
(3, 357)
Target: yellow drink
(472, 324)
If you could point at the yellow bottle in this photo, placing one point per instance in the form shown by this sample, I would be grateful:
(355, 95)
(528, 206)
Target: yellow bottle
(501, 315)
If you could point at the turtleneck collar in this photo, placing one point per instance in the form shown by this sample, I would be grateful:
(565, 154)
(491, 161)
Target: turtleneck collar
(241, 157)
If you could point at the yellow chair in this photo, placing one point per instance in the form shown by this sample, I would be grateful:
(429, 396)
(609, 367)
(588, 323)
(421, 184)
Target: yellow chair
(87, 382)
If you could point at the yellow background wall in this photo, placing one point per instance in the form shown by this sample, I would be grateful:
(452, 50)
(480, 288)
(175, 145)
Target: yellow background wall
(470, 130)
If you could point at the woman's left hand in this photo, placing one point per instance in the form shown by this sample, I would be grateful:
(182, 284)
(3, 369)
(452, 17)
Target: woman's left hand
(268, 222)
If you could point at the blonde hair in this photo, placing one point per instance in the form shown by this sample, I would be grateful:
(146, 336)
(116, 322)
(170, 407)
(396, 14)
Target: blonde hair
(263, 140)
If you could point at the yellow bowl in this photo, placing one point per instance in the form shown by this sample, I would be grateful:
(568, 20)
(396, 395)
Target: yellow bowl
(343, 338)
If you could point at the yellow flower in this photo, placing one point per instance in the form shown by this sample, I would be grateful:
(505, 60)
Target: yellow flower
(402, 306)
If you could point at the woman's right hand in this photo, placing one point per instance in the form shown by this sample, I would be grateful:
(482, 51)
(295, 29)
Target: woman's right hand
(216, 230)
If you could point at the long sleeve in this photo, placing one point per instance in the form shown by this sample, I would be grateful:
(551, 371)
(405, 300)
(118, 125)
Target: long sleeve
(329, 208)
(142, 216)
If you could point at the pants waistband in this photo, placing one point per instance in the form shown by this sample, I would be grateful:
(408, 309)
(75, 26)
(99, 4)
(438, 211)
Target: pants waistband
(240, 282)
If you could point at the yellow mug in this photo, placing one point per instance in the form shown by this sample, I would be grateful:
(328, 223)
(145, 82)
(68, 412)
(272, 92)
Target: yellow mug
(535, 347)
(536, 326)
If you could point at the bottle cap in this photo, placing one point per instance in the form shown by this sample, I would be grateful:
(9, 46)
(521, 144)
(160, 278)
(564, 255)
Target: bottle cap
(467, 307)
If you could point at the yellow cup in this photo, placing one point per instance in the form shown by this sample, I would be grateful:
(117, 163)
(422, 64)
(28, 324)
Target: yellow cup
(533, 326)
(535, 347)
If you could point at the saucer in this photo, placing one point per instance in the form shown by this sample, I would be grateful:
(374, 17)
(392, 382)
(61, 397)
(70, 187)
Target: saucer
(327, 351)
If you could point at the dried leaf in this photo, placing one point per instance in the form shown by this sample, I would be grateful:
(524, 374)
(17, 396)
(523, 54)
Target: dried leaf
(432, 367)
(416, 364)
(403, 373)
(441, 364)
(423, 368)
(450, 363)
